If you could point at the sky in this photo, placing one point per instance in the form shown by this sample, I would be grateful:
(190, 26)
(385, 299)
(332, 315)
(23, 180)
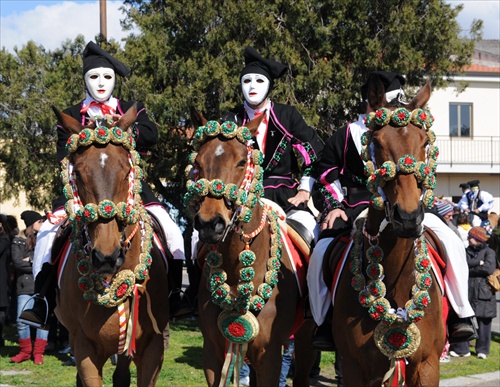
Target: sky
(49, 23)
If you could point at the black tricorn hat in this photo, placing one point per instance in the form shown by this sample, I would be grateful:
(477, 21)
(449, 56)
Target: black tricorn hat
(391, 81)
(464, 185)
(256, 64)
(94, 57)
(474, 183)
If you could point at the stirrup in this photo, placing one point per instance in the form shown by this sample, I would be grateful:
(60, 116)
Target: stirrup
(36, 324)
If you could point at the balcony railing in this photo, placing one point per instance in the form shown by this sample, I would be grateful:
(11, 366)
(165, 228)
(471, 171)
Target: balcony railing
(484, 150)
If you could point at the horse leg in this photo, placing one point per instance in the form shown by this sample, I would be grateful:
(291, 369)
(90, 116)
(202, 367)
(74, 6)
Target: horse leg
(150, 362)
(88, 363)
(305, 355)
(267, 365)
(121, 375)
(212, 361)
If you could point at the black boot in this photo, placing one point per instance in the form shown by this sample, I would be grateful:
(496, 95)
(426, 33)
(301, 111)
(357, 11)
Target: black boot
(460, 329)
(37, 316)
(323, 337)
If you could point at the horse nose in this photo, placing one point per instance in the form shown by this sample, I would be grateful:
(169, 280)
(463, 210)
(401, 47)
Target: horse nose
(408, 225)
(106, 263)
(211, 230)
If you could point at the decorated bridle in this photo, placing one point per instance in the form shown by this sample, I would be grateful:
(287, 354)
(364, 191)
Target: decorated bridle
(93, 284)
(241, 199)
(424, 170)
(396, 336)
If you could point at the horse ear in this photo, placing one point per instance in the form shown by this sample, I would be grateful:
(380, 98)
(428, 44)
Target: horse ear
(68, 123)
(253, 125)
(197, 118)
(128, 118)
(422, 97)
(376, 92)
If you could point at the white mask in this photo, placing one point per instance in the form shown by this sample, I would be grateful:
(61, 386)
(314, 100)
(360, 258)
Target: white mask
(255, 88)
(100, 83)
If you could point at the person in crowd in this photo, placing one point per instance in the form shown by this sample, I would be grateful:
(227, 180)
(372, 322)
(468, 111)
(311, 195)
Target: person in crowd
(284, 138)
(477, 203)
(99, 73)
(446, 211)
(463, 227)
(482, 263)
(341, 195)
(5, 262)
(23, 247)
(286, 360)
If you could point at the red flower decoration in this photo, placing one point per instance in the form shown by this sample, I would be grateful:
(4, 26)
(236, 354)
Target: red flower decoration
(427, 281)
(425, 263)
(423, 116)
(101, 132)
(121, 290)
(425, 301)
(401, 115)
(397, 339)
(236, 329)
(408, 161)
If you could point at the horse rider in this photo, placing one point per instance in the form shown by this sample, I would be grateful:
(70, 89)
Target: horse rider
(476, 202)
(284, 138)
(99, 72)
(341, 194)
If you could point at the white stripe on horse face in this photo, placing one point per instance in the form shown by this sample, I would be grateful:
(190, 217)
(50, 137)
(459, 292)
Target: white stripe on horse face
(102, 159)
(219, 150)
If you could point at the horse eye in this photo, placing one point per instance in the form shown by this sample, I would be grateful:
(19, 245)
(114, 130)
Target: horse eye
(242, 163)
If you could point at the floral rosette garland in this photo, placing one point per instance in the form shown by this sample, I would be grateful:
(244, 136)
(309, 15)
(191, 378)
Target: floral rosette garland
(131, 212)
(396, 335)
(425, 171)
(237, 322)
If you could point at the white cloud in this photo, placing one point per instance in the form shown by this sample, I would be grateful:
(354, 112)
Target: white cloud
(486, 10)
(49, 26)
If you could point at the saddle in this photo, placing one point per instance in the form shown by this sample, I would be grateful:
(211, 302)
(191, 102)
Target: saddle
(434, 243)
(338, 244)
(301, 237)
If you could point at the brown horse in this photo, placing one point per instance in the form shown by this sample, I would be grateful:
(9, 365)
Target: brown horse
(124, 304)
(382, 308)
(248, 304)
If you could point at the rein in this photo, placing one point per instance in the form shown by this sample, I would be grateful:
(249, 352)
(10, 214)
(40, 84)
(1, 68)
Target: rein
(94, 285)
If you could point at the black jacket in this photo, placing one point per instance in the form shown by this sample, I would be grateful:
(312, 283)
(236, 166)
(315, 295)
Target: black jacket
(481, 297)
(287, 134)
(5, 261)
(25, 284)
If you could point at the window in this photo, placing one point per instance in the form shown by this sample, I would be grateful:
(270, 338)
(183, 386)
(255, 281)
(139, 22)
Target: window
(460, 119)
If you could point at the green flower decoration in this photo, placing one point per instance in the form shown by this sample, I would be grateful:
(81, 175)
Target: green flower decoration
(375, 254)
(229, 129)
(244, 135)
(245, 289)
(419, 117)
(213, 259)
(273, 263)
(424, 280)
(238, 328)
(376, 288)
(86, 137)
(106, 209)
(382, 117)
(247, 257)
(247, 274)
(72, 143)
(400, 117)
(212, 128)
(365, 298)
(377, 202)
(217, 277)
(257, 157)
(374, 271)
(90, 213)
(387, 170)
(118, 134)
(422, 299)
(378, 309)
(257, 303)
(358, 282)
(265, 291)
(407, 163)
(220, 292)
(101, 135)
(217, 188)
(271, 277)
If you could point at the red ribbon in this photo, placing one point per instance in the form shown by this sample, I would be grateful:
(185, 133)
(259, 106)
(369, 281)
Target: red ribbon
(105, 109)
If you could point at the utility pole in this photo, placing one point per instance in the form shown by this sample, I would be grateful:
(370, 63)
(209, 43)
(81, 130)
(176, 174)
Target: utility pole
(102, 13)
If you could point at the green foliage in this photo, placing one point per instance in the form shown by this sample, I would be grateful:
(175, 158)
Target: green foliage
(191, 54)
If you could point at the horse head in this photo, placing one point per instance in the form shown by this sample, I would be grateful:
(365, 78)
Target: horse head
(102, 185)
(400, 158)
(222, 167)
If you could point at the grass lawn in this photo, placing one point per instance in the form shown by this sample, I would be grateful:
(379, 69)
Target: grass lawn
(183, 366)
